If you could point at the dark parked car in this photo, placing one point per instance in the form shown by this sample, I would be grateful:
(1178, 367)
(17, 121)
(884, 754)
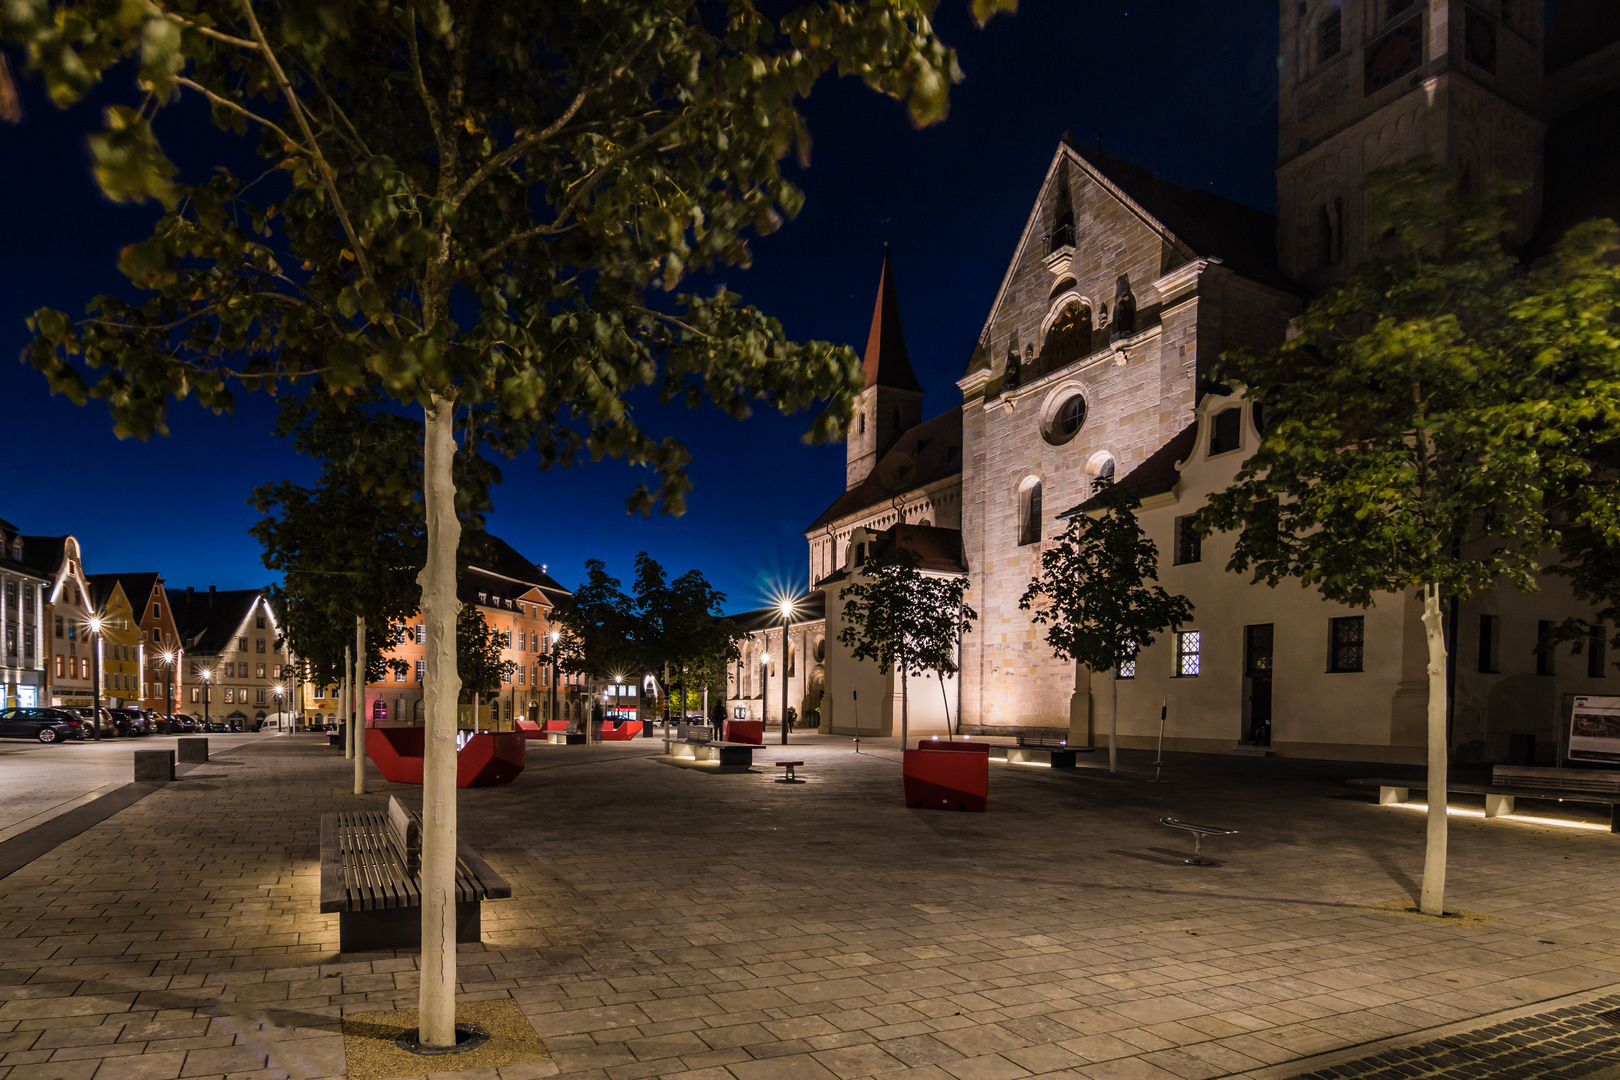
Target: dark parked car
(129, 721)
(46, 725)
(178, 724)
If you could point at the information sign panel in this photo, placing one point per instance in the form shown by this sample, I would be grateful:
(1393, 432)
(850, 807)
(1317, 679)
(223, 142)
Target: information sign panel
(1594, 729)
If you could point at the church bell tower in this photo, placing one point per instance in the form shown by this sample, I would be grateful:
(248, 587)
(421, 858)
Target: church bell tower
(1369, 83)
(890, 404)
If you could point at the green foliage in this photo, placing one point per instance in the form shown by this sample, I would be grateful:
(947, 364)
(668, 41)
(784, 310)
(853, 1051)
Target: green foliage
(902, 619)
(349, 546)
(680, 625)
(598, 632)
(478, 653)
(1435, 415)
(1100, 610)
(556, 167)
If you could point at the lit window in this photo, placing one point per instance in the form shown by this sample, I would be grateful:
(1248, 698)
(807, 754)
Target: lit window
(1127, 670)
(1029, 515)
(1347, 646)
(421, 634)
(259, 643)
(320, 693)
(1189, 646)
(421, 670)
(399, 674)
(258, 671)
(522, 675)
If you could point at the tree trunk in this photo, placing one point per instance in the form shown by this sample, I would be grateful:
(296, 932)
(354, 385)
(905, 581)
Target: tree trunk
(947, 699)
(443, 690)
(1113, 726)
(345, 703)
(1434, 854)
(360, 681)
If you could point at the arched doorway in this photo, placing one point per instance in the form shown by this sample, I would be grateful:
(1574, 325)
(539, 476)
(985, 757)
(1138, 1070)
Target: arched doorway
(810, 707)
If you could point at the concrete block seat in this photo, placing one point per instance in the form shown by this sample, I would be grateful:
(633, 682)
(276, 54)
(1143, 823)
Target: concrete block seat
(725, 754)
(1499, 797)
(941, 775)
(371, 872)
(484, 758)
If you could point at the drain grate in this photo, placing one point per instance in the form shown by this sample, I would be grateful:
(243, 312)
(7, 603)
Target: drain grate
(1610, 1017)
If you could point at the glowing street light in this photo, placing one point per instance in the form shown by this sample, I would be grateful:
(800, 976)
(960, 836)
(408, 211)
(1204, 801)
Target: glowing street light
(94, 624)
(278, 690)
(785, 606)
(206, 674)
(168, 684)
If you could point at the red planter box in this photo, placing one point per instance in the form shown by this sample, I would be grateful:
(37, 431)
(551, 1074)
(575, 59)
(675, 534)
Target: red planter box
(744, 731)
(948, 776)
(486, 758)
(529, 729)
(558, 725)
(621, 733)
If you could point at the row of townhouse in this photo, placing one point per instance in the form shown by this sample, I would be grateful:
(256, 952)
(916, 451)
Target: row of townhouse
(211, 654)
(517, 599)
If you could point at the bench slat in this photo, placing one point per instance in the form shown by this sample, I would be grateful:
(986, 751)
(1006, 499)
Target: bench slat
(365, 863)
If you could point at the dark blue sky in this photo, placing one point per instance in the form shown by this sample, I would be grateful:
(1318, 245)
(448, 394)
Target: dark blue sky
(1185, 87)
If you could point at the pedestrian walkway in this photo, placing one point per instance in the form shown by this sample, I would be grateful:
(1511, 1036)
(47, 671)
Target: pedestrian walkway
(670, 921)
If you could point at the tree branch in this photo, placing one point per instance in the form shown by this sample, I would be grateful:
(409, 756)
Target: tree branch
(314, 147)
(205, 31)
(520, 147)
(291, 142)
(428, 103)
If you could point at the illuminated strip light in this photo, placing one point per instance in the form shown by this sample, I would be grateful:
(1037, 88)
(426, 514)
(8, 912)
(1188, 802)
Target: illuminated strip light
(1032, 764)
(1457, 811)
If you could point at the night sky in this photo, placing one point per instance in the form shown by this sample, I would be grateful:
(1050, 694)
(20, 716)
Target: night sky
(1185, 87)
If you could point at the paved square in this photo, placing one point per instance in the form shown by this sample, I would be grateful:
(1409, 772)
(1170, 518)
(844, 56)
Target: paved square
(671, 921)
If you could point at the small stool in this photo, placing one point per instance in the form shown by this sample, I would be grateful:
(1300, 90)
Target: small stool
(1198, 834)
(789, 766)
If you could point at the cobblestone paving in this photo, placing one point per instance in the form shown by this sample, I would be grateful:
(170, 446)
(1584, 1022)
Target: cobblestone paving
(670, 921)
(1564, 1044)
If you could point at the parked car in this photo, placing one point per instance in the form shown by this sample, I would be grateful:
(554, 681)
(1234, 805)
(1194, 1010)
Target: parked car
(175, 724)
(130, 721)
(87, 720)
(45, 725)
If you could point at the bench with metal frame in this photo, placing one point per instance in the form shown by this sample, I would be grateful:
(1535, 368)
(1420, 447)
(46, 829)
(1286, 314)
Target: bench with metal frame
(371, 872)
(1198, 834)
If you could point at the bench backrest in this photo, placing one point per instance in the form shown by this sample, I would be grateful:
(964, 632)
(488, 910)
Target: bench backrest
(953, 747)
(1593, 780)
(407, 830)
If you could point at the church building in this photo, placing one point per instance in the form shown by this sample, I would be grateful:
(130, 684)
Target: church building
(1123, 290)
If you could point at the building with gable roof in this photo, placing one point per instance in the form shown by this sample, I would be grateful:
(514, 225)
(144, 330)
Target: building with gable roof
(233, 661)
(1122, 290)
(23, 641)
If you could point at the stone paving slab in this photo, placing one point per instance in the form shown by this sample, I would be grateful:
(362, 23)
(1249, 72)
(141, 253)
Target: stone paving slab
(669, 921)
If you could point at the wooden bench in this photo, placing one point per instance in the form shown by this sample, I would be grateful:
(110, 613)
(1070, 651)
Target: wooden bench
(1499, 798)
(371, 870)
(789, 766)
(1198, 834)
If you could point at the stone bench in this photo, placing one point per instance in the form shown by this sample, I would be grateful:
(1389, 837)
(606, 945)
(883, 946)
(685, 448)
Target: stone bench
(727, 755)
(1499, 798)
(371, 871)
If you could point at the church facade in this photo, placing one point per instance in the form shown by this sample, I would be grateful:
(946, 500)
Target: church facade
(1122, 290)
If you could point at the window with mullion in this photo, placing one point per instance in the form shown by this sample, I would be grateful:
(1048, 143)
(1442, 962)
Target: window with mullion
(1347, 646)
(1189, 653)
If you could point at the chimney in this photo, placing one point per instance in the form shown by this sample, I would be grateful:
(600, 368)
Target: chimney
(191, 595)
(210, 596)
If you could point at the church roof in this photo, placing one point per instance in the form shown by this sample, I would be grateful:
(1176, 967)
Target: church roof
(928, 452)
(1157, 474)
(811, 607)
(1210, 225)
(937, 549)
(886, 362)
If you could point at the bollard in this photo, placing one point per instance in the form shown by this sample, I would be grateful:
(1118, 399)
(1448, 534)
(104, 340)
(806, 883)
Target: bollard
(192, 750)
(154, 766)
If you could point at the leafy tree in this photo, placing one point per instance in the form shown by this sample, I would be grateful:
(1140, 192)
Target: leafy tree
(476, 205)
(905, 620)
(478, 653)
(1100, 610)
(598, 626)
(1417, 423)
(681, 631)
(348, 548)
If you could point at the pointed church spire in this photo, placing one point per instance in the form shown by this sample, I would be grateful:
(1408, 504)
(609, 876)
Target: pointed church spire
(886, 362)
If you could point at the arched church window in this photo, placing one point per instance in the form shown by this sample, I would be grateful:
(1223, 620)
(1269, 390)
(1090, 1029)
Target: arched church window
(1124, 308)
(1070, 337)
(1324, 236)
(1105, 472)
(1029, 514)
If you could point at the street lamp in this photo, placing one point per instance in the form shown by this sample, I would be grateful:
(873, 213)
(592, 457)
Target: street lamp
(279, 689)
(94, 624)
(786, 608)
(168, 685)
(205, 675)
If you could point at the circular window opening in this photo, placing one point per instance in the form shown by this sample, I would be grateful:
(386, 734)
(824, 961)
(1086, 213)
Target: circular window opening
(1067, 421)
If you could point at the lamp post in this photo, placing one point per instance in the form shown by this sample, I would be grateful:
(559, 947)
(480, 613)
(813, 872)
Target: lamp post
(279, 689)
(205, 675)
(618, 681)
(168, 686)
(786, 607)
(553, 659)
(94, 623)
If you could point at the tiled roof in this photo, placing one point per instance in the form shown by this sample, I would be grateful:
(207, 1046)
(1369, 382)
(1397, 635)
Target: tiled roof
(938, 549)
(491, 553)
(886, 362)
(1243, 238)
(44, 554)
(1157, 474)
(928, 452)
(207, 621)
(137, 588)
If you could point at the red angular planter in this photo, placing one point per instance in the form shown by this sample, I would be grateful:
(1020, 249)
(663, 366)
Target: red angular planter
(947, 776)
(531, 729)
(621, 733)
(744, 731)
(488, 757)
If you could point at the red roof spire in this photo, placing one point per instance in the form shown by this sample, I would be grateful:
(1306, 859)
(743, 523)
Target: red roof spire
(886, 362)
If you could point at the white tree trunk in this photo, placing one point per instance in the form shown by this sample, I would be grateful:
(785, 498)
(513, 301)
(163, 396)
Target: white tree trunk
(1434, 854)
(345, 703)
(442, 691)
(905, 730)
(360, 681)
(1113, 726)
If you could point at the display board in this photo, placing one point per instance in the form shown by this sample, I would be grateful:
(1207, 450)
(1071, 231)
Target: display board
(1594, 729)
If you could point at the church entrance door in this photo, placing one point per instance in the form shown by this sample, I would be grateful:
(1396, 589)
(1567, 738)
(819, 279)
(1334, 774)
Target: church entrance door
(1257, 672)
